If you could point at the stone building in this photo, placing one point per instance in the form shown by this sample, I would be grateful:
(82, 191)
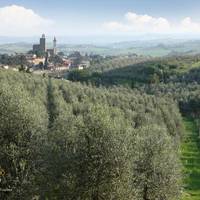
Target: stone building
(41, 48)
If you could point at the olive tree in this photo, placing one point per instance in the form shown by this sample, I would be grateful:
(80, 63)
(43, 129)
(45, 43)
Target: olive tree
(156, 166)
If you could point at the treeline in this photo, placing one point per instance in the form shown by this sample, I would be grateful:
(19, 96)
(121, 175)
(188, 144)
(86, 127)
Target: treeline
(185, 94)
(113, 62)
(13, 60)
(61, 140)
(177, 77)
(132, 70)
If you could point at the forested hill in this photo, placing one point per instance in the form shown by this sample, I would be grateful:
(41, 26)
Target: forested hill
(63, 140)
(132, 70)
(176, 78)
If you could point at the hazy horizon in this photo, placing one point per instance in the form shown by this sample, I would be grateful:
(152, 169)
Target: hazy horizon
(99, 39)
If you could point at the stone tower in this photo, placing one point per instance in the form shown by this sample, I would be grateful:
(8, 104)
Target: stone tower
(54, 46)
(43, 43)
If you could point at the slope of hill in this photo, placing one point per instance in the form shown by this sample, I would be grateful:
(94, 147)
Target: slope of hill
(63, 140)
(154, 48)
(128, 70)
(15, 48)
(176, 78)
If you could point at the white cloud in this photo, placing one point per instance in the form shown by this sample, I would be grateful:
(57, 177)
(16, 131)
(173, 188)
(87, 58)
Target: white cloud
(187, 25)
(139, 23)
(134, 23)
(19, 21)
(146, 22)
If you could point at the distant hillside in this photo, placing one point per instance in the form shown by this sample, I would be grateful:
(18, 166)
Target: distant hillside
(155, 48)
(15, 48)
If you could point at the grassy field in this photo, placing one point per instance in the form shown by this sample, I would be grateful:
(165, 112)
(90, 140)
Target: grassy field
(191, 161)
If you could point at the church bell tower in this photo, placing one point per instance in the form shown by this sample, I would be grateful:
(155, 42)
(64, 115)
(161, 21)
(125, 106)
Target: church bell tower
(54, 46)
(43, 43)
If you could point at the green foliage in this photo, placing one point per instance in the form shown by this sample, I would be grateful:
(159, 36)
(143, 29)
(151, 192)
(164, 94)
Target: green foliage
(6, 59)
(56, 59)
(124, 70)
(71, 141)
(103, 163)
(175, 77)
(40, 54)
(78, 75)
(159, 159)
(21, 123)
(186, 94)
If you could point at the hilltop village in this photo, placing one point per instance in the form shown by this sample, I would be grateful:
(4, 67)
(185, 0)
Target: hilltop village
(42, 59)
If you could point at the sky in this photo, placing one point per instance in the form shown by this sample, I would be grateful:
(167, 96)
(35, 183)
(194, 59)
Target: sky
(99, 17)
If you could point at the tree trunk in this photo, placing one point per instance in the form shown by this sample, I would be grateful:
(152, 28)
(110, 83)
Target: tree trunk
(145, 197)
